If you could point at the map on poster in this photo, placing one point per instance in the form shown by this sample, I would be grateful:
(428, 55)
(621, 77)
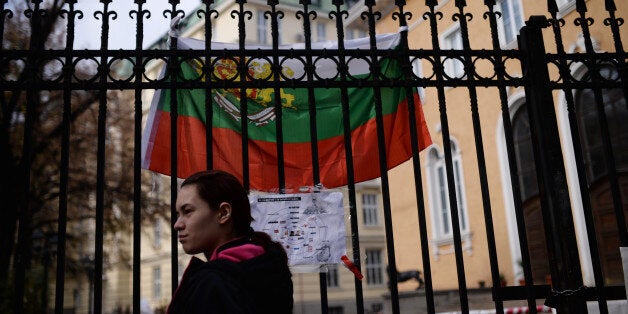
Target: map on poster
(310, 225)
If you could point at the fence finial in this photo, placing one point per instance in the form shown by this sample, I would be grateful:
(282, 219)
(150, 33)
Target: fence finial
(610, 5)
(581, 6)
(552, 7)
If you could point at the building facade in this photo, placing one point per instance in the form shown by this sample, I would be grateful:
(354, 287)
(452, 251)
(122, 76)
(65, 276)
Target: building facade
(156, 269)
(471, 204)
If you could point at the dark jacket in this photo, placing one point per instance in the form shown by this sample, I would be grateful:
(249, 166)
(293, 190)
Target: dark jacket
(262, 284)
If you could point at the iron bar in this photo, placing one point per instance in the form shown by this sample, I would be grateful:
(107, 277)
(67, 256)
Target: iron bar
(138, 70)
(208, 70)
(416, 165)
(383, 161)
(100, 160)
(242, 70)
(337, 15)
(555, 203)
(274, 16)
(491, 15)
(579, 158)
(173, 71)
(451, 185)
(68, 71)
(309, 68)
(23, 249)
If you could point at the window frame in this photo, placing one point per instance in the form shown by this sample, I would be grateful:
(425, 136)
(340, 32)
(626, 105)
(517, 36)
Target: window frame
(374, 270)
(321, 32)
(333, 278)
(514, 25)
(417, 69)
(157, 234)
(262, 28)
(157, 286)
(370, 211)
(453, 68)
(442, 229)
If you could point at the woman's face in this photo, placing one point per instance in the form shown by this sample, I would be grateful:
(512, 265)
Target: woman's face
(199, 227)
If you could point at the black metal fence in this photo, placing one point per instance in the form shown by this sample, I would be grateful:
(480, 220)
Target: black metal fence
(37, 80)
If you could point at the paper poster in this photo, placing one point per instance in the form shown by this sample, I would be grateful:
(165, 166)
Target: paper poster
(310, 226)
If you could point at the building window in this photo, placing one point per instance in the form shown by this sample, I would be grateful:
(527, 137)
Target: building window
(563, 3)
(374, 273)
(335, 310)
(332, 275)
(439, 193)
(262, 29)
(596, 165)
(156, 282)
(417, 69)
(452, 39)
(529, 192)
(369, 209)
(590, 130)
(180, 270)
(526, 170)
(511, 20)
(351, 3)
(349, 34)
(157, 233)
(321, 32)
(279, 31)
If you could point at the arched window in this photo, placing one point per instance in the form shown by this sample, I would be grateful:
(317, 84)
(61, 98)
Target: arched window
(596, 167)
(525, 155)
(590, 132)
(529, 192)
(439, 199)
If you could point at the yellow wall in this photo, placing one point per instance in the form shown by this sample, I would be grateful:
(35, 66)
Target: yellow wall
(403, 196)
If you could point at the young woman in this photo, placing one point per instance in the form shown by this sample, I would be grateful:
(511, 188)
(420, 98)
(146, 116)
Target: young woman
(245, 272)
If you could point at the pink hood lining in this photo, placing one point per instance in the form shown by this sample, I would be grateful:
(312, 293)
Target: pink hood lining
(239, 253)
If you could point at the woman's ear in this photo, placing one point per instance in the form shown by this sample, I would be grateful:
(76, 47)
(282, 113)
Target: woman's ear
(224, 212)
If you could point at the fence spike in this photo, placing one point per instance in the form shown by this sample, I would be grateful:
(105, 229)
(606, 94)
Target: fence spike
(552, 7)
(431, 3)
(610, 6)
(461, 3)
(490, 3)
(581, 6)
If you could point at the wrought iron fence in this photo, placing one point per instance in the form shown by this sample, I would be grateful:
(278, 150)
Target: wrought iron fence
(27, 85)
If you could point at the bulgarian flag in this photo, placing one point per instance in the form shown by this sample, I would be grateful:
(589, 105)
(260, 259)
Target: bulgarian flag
(262, 144)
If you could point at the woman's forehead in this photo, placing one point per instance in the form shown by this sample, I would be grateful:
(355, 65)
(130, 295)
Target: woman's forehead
(187, 194)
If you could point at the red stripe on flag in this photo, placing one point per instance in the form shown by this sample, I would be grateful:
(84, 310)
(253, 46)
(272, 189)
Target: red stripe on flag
(263, 167)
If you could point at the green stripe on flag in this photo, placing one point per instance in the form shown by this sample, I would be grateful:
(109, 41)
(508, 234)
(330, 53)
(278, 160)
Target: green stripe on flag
(296, 120)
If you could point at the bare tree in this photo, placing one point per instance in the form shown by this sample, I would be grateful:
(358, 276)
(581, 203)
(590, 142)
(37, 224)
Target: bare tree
(45, 108)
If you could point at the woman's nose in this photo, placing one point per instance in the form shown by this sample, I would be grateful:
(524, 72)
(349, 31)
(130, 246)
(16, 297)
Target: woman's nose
(178, 225)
